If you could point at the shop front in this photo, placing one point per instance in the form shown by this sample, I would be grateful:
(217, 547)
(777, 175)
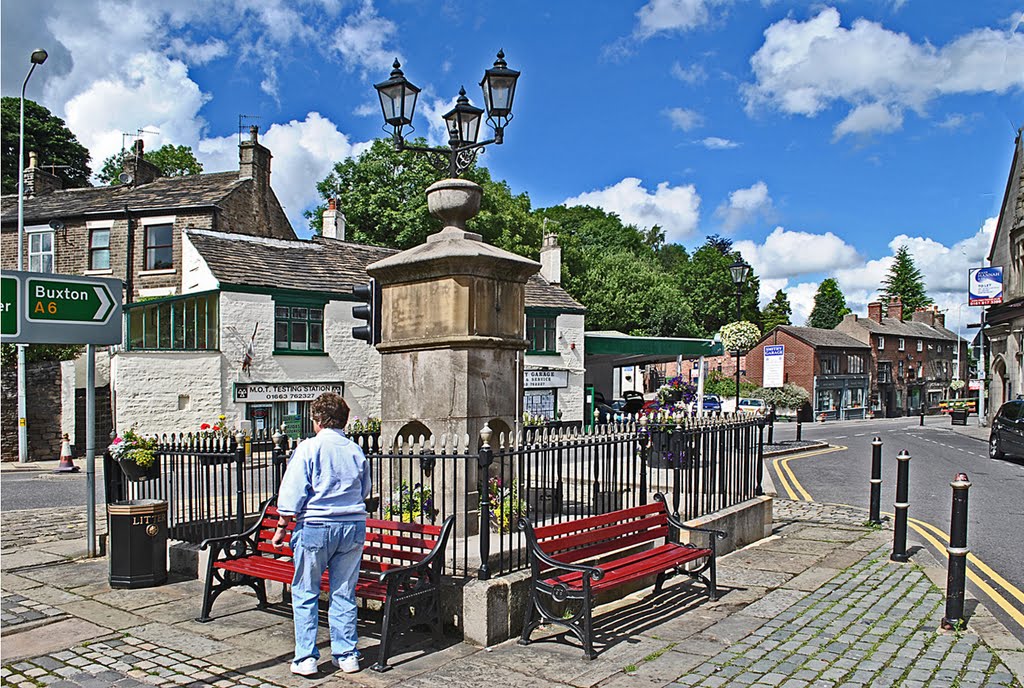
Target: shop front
(272, 406)
(540, 392)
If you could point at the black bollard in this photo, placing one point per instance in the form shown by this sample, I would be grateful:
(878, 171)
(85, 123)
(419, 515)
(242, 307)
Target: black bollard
(799, 431)
(956, 573)
(922, 415)
(902, 504)
(876, 481)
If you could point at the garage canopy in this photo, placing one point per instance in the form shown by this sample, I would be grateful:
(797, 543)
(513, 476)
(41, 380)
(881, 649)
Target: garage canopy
(624, 350)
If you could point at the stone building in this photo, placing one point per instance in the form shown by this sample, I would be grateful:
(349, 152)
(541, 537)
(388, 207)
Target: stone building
(286, 304)
(132, 232)
(830, 365)
(912, 361)
(1005, 322)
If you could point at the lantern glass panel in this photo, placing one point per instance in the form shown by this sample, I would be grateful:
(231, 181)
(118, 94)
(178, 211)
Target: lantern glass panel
(498, 94)
(409, 104)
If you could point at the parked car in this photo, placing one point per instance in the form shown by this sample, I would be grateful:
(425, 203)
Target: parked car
(1007, 436)
(712, 404)
(753, 406)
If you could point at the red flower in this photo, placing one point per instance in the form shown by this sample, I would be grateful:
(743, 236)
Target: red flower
(204, 426)
(216, 428)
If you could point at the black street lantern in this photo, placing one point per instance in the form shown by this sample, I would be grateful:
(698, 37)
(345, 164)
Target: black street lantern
(463, 122)
(397, 99)
(499, 87)
(739, 271)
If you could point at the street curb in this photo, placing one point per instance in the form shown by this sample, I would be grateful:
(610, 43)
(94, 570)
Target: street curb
(818, 444)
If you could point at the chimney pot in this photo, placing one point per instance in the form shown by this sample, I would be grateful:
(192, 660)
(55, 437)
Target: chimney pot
(875, 311)
(254, 131)
(33, 159)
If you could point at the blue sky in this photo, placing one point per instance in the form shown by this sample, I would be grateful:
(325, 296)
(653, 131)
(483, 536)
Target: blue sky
(818, 136)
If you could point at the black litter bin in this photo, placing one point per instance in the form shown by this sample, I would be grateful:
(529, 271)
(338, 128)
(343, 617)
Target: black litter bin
(958, 417)
(138, 543)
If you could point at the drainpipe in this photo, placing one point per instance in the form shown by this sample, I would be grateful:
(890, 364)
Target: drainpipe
(129, 277)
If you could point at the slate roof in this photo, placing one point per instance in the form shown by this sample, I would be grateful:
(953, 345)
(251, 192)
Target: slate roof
(906, 328)
(320, 264)
(822, 338)
(192, 191)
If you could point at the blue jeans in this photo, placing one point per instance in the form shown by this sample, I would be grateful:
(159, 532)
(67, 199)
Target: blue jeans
(338, 548)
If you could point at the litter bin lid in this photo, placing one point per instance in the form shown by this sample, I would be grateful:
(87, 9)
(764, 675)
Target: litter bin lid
(137, 506)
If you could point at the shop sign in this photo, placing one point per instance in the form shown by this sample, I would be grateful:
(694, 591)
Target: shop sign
(262, 392)
(774, 365)
(974, 385)
(545, 379)
(985, 286)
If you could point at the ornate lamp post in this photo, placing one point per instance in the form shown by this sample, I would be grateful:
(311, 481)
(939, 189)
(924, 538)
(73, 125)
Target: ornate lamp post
(38, 57)
(398, 103)
(739, 271)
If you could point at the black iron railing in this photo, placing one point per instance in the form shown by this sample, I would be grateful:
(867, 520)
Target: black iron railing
(550, 475)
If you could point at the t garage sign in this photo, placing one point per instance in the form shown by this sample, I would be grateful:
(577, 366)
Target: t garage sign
(263, 392)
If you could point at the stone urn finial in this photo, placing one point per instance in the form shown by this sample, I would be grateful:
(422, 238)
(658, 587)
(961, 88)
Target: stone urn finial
(454, 202)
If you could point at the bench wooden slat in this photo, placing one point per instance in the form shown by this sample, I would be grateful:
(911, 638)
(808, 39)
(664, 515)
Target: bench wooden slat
(591, 522)
(607, 546)
(425, 528)
(402, 555)
(569, 542)
(401, 541)
(635, 566)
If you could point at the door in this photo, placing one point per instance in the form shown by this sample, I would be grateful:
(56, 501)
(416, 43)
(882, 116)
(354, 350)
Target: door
(259, 414)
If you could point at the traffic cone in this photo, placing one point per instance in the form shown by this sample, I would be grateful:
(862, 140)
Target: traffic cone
(66, 464)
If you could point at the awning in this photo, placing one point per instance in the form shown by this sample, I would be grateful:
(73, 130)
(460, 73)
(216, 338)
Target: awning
(626, 350)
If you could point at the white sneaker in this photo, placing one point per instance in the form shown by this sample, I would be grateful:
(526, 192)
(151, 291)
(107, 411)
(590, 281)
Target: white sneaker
(306, 667)
(349, 665)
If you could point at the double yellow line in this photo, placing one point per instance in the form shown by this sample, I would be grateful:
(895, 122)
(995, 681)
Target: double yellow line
(933, 535)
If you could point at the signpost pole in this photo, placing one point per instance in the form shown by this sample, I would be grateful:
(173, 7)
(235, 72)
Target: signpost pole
(90, 448)
(982, 373)
(22, 428)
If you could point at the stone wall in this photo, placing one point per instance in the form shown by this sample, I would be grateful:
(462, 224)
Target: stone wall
(43, 412)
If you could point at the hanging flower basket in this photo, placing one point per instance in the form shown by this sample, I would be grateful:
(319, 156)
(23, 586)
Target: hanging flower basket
(137, 473)
(740, 336)
(956, 385)
(136, 455)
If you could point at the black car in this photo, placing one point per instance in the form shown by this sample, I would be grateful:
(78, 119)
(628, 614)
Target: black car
(1007, 431)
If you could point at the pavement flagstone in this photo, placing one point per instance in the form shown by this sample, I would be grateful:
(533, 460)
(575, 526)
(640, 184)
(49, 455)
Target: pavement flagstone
(816, 604)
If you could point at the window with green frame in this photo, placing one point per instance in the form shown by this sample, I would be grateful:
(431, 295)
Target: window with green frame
(179, 323)
(298, 326)
(541, 332)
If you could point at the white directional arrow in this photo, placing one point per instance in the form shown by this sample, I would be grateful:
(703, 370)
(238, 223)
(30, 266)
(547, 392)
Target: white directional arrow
(105, 304)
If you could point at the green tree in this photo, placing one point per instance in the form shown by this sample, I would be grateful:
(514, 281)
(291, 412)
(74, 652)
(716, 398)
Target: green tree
(777, 312)
(39, 352)
(47, 135)
(708, 289)
(904, 281)
(383, 196)
(173, 161)
(829, 305)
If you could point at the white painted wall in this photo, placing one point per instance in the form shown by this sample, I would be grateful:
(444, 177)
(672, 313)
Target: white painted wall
(176, 392)
(569, 344)
(195, 273)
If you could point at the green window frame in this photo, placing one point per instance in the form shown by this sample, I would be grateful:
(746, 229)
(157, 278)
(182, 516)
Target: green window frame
(541, 332)
(177, 323)
(298, 326)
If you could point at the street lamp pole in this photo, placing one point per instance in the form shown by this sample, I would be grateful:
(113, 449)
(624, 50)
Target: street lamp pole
(38, 58)
(738, 271)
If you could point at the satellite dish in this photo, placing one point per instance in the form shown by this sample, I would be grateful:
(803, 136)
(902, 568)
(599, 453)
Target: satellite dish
(125, 178)
(56, 224)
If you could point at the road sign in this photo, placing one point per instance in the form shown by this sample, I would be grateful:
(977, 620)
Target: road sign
(11, 325)
(61, 309)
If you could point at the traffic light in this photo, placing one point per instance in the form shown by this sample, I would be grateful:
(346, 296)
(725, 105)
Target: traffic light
(369, 311)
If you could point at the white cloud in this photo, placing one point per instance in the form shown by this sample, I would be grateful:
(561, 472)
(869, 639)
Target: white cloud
(432, 110)
(665, 16)
(786, 253)
(744, 206)
(676, 209)
(684, 119)
(801, 299)
(694, 74)
(716, 143)
(304, 153)
(869, 118)
(805, 67)
(362, 41)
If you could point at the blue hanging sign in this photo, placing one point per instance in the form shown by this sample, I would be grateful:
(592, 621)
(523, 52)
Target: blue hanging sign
(985, 286)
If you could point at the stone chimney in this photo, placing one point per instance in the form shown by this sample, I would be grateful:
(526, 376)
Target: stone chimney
(333, 226)
(895, 309)
(39, 182)
(254, 160)
(940, 319)
(875, 311)
(140, 170)
(551, 259)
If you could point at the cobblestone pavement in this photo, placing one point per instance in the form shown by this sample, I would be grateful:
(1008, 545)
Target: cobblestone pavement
(846, 634)
(33, 526)
(17, 609)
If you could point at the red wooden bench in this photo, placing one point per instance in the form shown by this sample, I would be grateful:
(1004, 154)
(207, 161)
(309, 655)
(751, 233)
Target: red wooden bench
(401, 567)
(610, 542)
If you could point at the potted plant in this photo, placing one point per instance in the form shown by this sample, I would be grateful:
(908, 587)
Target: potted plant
(677, 390)
(136, 455)
(410, 504)
(506, 506)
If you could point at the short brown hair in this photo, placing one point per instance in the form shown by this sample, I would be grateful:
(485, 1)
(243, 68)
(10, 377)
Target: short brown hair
(330, 410)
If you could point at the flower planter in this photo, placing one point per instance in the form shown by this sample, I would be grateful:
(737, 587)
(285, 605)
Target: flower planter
(137, 473)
